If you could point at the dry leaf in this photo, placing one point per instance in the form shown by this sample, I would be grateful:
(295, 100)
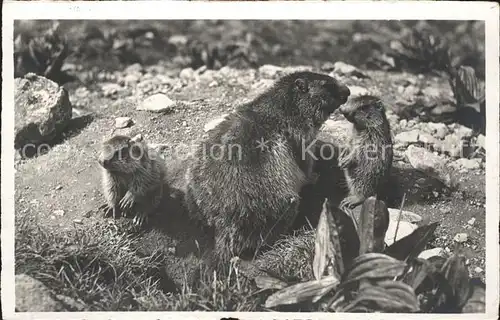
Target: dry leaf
(268, 282)
(321, 245)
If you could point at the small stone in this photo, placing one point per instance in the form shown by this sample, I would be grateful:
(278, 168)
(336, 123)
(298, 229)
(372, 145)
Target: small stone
(440, 130)
(403, 123)
(328, 67)
(445, 210)
(478, 270)
(157, 103)
(87, 214)
(110, 89)
(59, 213)
(460, 237)
(467, 164)
(213, 84)
(184, 123)
(452, 145)
(134, 68)
(122, 122)
(427, 139)
(411, 91)
(471, 221)
(404, 229)
(342, 68)
(131, 79)
(448, 250)
(407, 137)
(214, 123)
(464, 132)
(59, 187)
(424, 160)
(270, 71)
(481, 141)
(178, 40)
(407, 216)
(187, 74)
(432, 92)
(78, 221)
(357, 91)
(435, 252)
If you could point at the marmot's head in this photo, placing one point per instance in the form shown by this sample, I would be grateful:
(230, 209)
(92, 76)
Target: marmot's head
(123, 154)
(364, 111)
(312, 96)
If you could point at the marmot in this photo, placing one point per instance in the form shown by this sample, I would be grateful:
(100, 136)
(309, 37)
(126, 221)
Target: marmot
(246, 177)
(368, 160)
(133, 177)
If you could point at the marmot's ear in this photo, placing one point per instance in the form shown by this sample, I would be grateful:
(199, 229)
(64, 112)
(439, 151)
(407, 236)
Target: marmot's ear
(302, 84)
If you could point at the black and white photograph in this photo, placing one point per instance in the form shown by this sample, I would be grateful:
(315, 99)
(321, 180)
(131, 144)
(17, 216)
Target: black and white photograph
(286, 166)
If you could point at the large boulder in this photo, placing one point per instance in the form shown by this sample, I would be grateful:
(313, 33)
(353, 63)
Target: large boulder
(34, 296)
(42, 109)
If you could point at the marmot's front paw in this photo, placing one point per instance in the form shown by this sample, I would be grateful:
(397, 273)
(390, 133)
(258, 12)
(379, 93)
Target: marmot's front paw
(127, 202)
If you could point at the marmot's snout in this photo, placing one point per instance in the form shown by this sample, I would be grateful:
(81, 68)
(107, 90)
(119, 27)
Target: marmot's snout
(344, 93)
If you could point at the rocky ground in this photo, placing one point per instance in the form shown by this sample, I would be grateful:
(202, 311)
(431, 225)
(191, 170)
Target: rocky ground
(441, 165)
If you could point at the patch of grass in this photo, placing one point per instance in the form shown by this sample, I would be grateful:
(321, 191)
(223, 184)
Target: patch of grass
(102, 267)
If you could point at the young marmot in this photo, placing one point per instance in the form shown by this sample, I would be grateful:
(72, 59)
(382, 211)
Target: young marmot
(246, 177)
(133, 177)
(368, 160)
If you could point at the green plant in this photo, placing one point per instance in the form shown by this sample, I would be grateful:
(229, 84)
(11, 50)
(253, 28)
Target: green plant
(379, 279)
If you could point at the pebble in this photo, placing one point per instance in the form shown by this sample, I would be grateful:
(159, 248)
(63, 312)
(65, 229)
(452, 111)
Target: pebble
(110, 89)
(122, 122)
(357, 91)
(213, 123)
(471, 221)
(481, 141)
(452, 145)
(270, 71)
(445, 210)
(59, 187)
(464, 132)
(478, 270)
(440, 130)
(435, 252)
(77, 221)
(134, 68)
(407, 137)
(187, 74)
(460, 237)
(467, 164)
(156, 103)
(59, 213)
(431, 92)
(422, 159)
(343, 68)
(427, 139)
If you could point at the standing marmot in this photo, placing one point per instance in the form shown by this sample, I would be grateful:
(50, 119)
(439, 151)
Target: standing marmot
(368, 162)
(246, 177)
(133, 177)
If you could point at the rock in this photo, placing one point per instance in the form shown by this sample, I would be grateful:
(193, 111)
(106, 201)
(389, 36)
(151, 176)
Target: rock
(42, 110)
(213, 123)
(178, 40)
(429, 163)
(440, 130)
(407, 137)
(460, 237)
(328, 67)
(432, 92)
(443, 109)
(451, 145)
(59, 187)
(463, 132)
(345, 69)
(59, 213)
(187, 74)
(33, 296)
(110, 89)
(407, 216)
(71, 303)
(445, 210)
(478, 270)
(270, 71)
(481, 141)
(471, 221)
(122, 122)
(427, 139)
(467, 164)
(157, 103)
(430, 253)
(411, 91)
(134, 68)
(404, 229)
(358, 91)
(78, 221)
(131, 79)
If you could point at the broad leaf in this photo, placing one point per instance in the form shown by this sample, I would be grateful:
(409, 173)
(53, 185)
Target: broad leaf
(305, 291)
(456, 273)
(268, 282)
(374, 266)
(321, 245)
